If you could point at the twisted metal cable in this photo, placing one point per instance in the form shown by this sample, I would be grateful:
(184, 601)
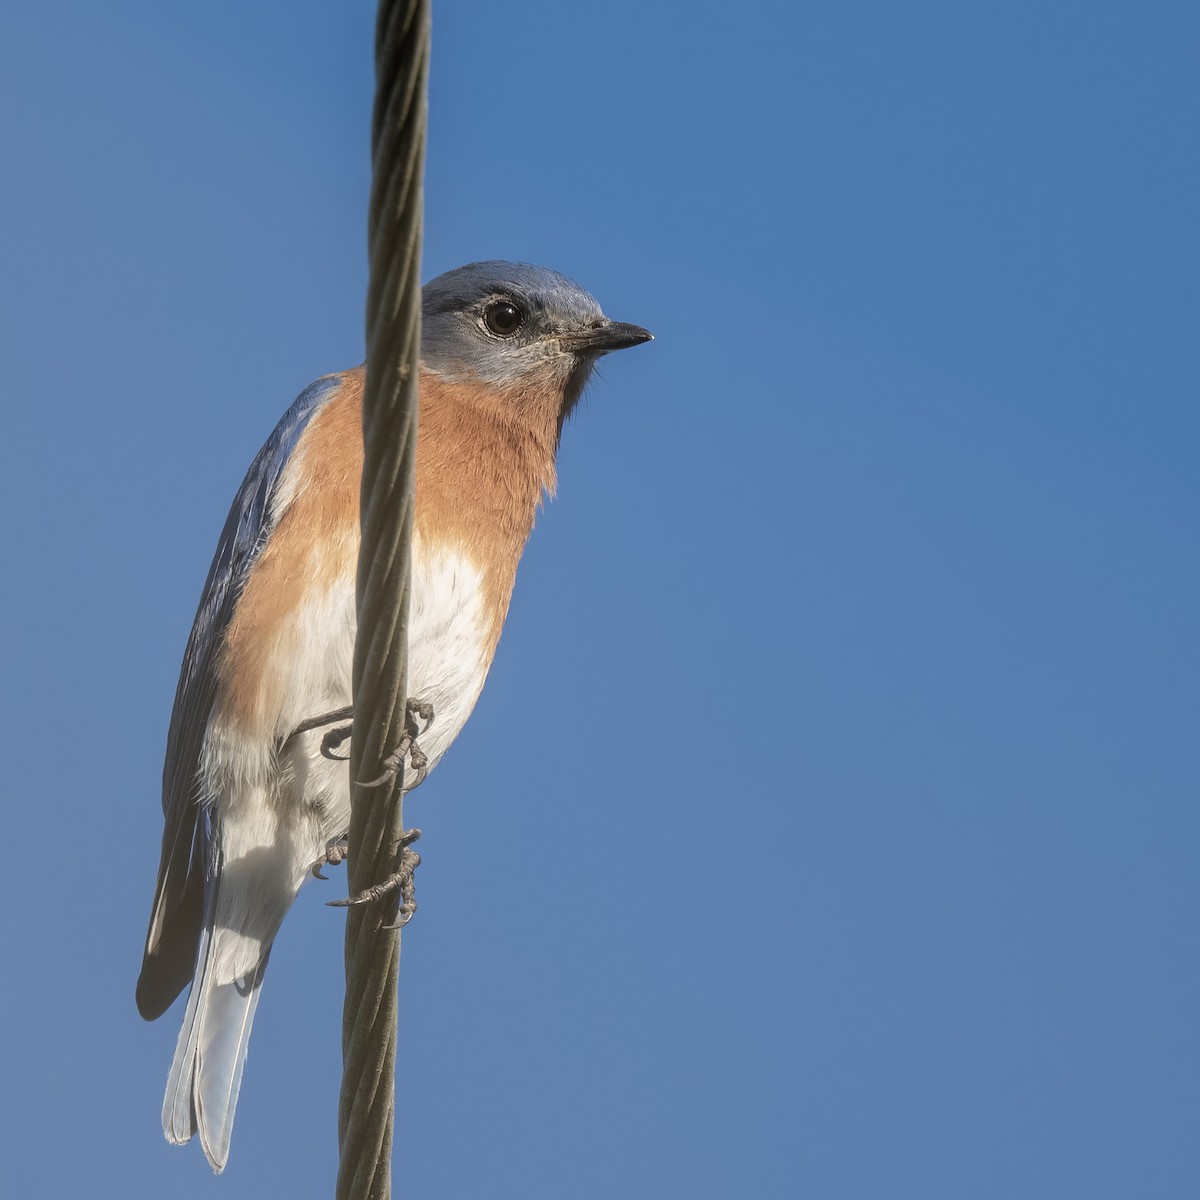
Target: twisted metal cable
(366, 1109)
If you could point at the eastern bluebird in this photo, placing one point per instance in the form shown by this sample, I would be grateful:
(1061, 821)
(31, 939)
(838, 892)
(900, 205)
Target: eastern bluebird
(250, 803)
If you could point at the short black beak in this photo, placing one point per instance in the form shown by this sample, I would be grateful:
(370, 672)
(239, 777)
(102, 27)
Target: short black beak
(606, 336)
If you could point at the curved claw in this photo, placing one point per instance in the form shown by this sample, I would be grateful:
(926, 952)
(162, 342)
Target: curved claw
(404, 914)
(391, 765)
(335, 854)
(332, 740)
(422, 709)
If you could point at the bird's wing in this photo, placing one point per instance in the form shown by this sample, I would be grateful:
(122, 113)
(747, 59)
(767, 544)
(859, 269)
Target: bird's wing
(177, 915)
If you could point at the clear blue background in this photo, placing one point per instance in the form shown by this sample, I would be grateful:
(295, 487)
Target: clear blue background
(828, 826)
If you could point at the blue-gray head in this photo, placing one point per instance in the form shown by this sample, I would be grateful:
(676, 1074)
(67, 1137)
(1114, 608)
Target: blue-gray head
(515, 325)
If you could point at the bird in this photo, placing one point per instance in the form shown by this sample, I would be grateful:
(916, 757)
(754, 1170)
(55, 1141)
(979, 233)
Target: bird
(250, 801)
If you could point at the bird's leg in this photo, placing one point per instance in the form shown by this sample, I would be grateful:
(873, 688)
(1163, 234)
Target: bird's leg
(408, 747)
(329, 718)
(401, 878)
(333, 739)
(335, 854)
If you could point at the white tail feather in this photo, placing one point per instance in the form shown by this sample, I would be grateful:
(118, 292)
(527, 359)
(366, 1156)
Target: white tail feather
(206, 1074)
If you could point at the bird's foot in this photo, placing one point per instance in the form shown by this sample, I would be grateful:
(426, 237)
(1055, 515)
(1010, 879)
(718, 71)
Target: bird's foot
(334, 738)
(336, 850)
(408, 748)
(401, 878)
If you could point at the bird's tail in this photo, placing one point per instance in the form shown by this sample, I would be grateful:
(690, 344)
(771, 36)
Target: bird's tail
(202, 1088)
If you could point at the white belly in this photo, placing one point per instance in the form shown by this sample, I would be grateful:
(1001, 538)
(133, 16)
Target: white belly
(449, 652)
(448, 661)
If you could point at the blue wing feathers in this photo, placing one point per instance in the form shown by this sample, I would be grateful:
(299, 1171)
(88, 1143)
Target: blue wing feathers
(177, 916)
(242, 539)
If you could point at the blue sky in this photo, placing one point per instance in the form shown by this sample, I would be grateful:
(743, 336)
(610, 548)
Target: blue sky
(828, 824)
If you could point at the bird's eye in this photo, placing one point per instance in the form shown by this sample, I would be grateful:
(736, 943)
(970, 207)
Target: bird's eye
(503, 318)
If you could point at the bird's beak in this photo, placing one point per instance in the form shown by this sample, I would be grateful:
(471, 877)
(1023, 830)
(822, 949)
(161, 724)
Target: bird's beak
(605, 336)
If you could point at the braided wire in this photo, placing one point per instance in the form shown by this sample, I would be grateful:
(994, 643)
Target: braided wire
(367, 1105)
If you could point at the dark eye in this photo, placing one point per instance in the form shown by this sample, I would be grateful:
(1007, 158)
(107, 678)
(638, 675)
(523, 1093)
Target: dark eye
(503, 318)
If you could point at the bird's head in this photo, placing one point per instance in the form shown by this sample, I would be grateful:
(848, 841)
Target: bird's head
(517, 329)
